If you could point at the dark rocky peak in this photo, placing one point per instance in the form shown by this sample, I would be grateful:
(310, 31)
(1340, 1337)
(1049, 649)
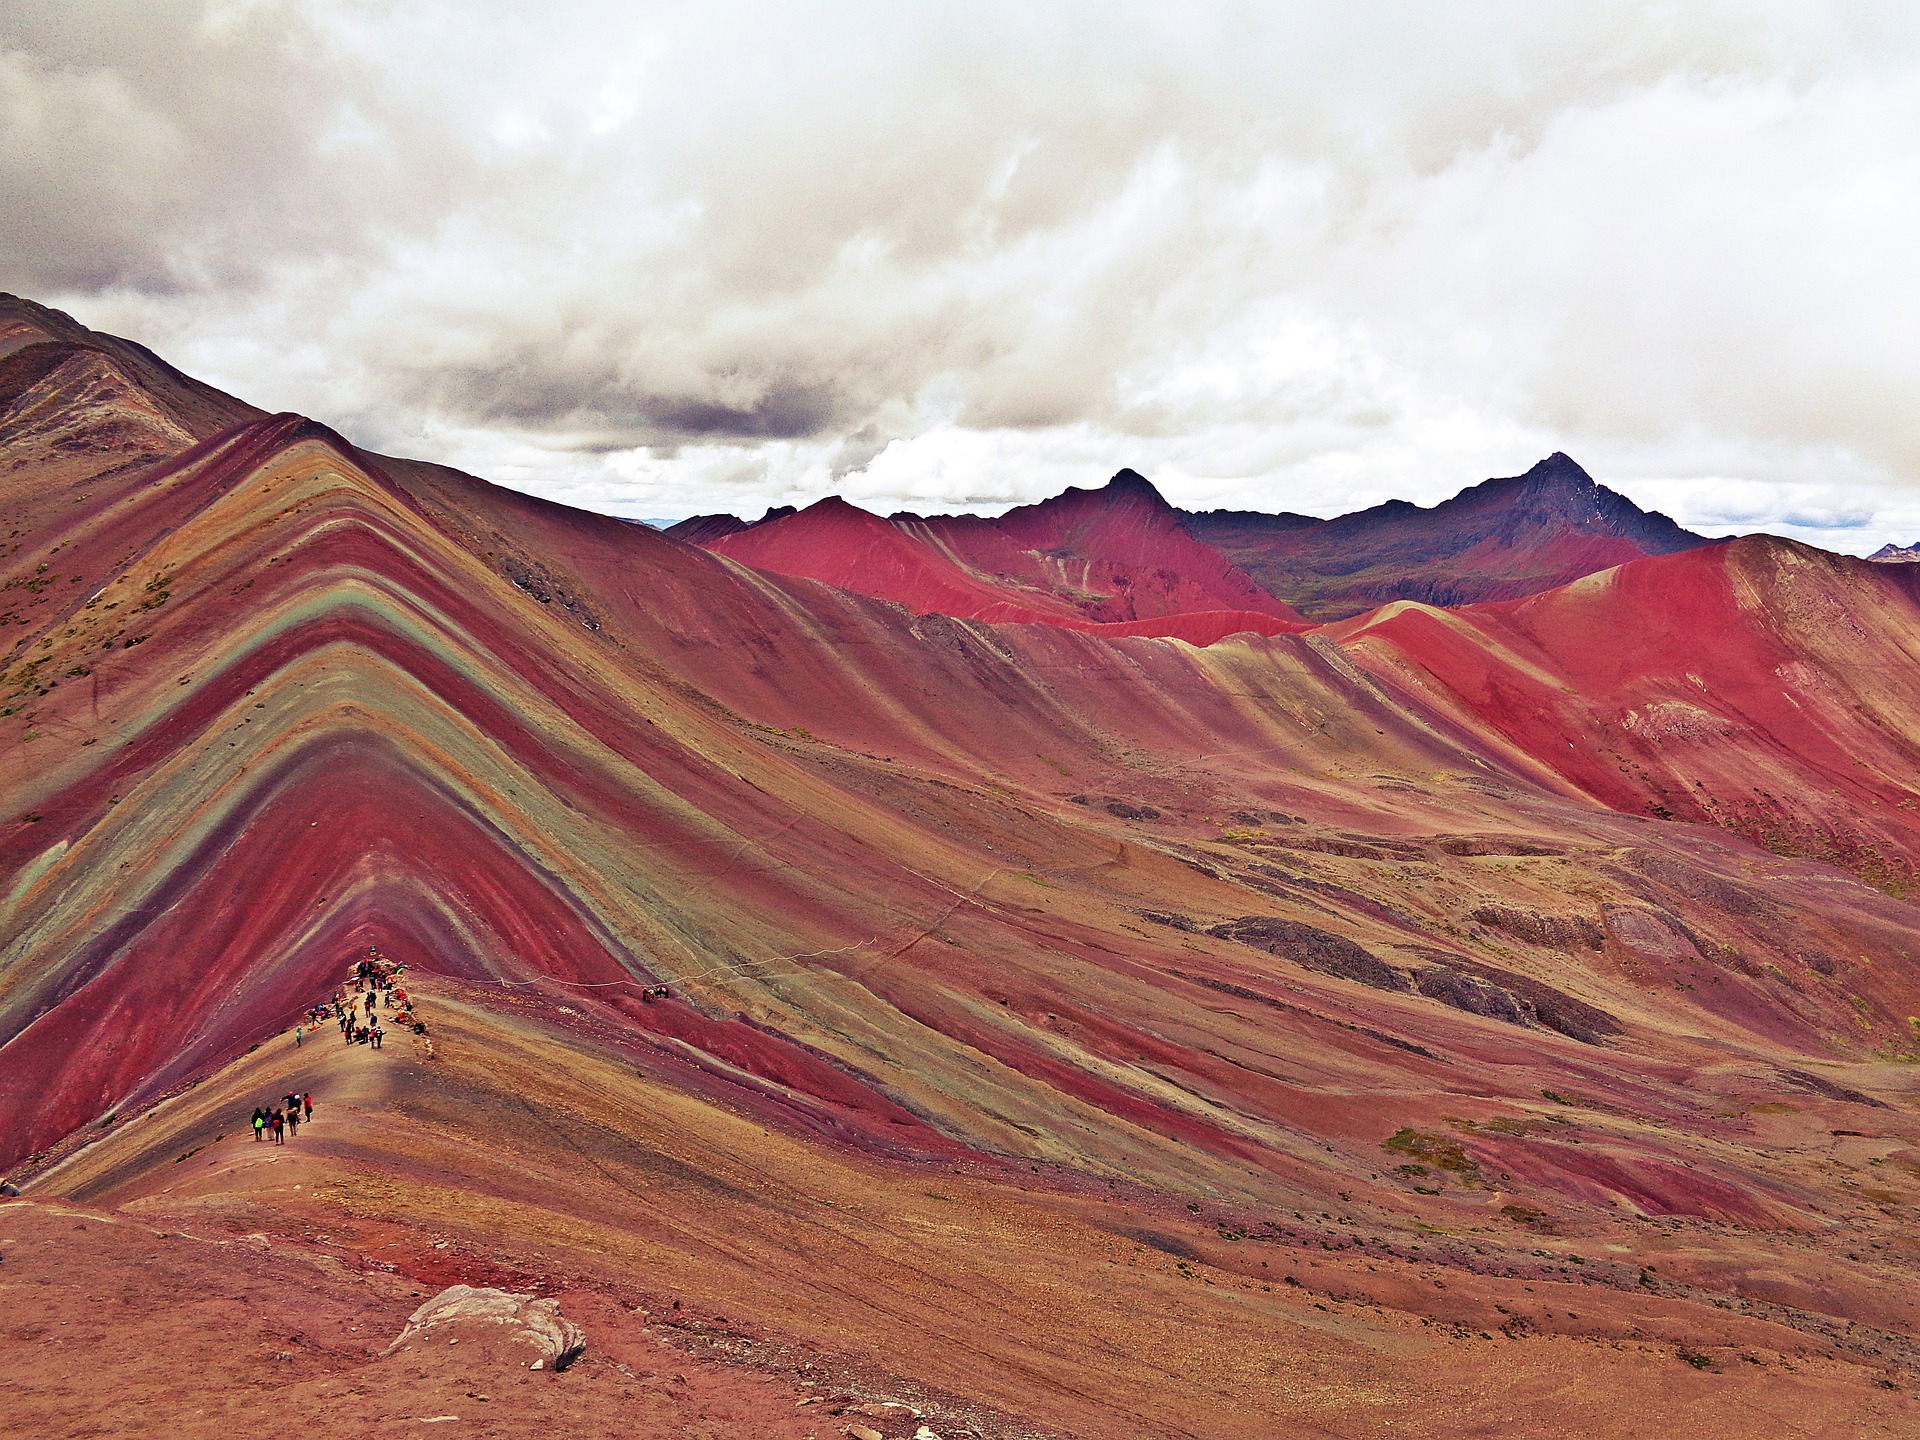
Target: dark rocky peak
(1557, 482)
(705, 529)
(1558, 492)
(1560, 468)
(1127, 489)
(1892, 554)
(1127, 484)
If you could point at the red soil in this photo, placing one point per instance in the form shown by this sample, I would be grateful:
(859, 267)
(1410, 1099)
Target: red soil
(1760, 684)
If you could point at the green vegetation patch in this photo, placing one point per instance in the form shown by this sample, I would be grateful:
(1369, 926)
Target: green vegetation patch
(1442, 1152)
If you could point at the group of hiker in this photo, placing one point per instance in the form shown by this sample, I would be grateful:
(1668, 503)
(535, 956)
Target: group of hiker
(279, 1121)
(371, 994)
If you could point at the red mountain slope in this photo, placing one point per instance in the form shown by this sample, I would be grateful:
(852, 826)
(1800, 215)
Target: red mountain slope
(1760, 684)
(1111, 556)
(1041, 1002)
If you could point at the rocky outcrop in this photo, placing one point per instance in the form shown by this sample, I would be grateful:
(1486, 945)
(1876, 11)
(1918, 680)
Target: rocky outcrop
(1453, 980)
(1554, 932)
(1314, 948)
(538, 1323)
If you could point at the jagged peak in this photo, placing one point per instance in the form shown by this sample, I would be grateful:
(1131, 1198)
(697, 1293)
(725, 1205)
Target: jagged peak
(1132, 482)
(836, 506)
(1127, 489)
(1560, 486)
(1896, 554)
(1556, 480)
(1562, 468)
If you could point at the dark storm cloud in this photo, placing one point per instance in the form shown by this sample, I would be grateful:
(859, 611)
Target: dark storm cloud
(184, 147)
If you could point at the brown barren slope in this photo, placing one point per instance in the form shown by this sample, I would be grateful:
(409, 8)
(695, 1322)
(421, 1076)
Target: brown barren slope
(521, 1148)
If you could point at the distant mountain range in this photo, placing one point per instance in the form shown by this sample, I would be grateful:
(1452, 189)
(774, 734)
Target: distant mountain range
(1499, 540)
(1122, 553)
(1891, 554)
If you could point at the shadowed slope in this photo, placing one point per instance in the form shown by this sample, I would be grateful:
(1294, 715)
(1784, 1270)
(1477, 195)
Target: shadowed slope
(1498, 540)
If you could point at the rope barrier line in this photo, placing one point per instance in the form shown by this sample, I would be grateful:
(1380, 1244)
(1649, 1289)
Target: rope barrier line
(745, 970)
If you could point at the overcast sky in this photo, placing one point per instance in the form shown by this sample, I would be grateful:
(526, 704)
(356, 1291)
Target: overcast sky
(657, 258)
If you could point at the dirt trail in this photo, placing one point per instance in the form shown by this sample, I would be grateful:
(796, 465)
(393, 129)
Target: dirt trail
(178, 1310)
(205, 1132)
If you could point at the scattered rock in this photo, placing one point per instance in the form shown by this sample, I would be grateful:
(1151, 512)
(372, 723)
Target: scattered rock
(1169, 919)
(1495, 845)
(1818, 1085)
(1314, 948)
(1472, 994)
(1482, 989)
(1352, 847)
(1653, 933)
(886, 1410)
(1555, 932)
(1263, 817)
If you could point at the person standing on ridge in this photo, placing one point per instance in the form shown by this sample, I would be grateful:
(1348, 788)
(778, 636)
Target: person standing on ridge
(259, 1122)
(306, 1103)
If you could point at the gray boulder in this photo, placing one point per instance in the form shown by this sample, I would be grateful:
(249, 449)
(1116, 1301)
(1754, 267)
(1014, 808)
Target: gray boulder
(537, 1322)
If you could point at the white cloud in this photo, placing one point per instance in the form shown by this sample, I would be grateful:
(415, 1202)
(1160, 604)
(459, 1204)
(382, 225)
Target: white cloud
(674, 257)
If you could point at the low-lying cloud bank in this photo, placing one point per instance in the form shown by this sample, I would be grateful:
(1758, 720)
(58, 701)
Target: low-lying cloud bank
(670, 258)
